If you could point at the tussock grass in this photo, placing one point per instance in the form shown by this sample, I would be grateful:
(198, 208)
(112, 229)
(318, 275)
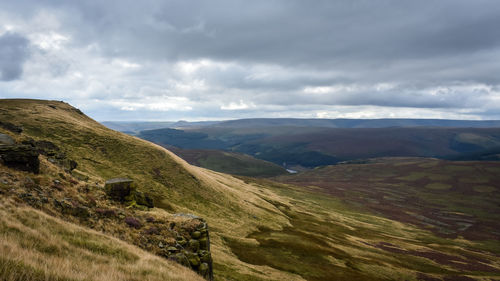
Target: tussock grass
(35, 246)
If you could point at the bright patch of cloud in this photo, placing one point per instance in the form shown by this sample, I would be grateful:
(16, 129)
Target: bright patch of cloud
(238, 106)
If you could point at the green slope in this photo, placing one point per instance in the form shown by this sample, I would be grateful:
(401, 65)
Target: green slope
(229, 162)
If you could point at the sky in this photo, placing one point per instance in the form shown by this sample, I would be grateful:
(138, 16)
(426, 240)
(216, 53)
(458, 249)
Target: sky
(194, 60)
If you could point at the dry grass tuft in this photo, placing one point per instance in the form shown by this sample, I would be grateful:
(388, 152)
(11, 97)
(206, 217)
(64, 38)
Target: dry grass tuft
(35, 246)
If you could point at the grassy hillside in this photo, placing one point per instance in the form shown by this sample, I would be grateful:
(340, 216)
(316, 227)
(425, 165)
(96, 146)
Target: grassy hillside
(39, 247)
(229, 162)
(260, 230)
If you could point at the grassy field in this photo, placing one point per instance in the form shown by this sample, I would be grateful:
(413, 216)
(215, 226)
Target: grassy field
(260, 230)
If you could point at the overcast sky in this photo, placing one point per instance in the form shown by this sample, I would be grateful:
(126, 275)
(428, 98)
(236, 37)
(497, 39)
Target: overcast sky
(216, 59)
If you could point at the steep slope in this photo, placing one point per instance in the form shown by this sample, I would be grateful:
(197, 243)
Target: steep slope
(176, 186)
(38, 247)
(259, 230)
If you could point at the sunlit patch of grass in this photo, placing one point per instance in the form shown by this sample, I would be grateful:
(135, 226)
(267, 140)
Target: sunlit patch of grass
(483, 188)
(413, 176)
(439, 177)
(457, 168)
(438, 186)
(475, 179)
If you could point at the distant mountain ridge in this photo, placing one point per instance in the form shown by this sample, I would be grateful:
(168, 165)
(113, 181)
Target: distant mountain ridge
(359, 123)
(137, 126)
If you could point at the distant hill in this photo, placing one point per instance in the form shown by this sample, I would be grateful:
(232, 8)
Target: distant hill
(317, 146)
(229, 162)
(358, 123)
(134, 127)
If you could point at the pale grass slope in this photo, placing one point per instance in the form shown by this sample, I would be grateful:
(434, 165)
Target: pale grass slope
(36, 246)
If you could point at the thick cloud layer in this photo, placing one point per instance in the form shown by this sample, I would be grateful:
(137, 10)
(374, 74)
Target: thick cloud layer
(222, 59)
(13, 53)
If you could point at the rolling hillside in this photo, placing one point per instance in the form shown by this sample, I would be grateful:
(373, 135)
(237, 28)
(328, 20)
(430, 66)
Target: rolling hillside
(259, 229)
(450, 198)
(229, 162)
(315, 146)
(138, 126)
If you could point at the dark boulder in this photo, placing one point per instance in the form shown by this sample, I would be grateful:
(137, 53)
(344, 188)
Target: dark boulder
(124, 190)
(47, 148)
(119, 188)
(21, 157)
(53, 152)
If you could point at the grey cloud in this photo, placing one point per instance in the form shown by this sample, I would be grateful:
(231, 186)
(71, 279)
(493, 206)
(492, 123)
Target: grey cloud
(13, 53)
(275, 49)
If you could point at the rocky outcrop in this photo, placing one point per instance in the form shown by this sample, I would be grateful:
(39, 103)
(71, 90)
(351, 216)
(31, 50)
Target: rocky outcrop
(192, 247)
(21, 157)
(124, 191)
(54, 154)
(6, 140)
(24, 156)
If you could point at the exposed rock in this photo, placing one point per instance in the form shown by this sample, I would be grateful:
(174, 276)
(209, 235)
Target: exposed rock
(204, 243)
(181, 259)
(6, 140)
(123, 190)
(181, 241)
(53, 153)
(205, 256)
(118, 188)
(194, 260)
(30, 199)
(204, 270)
(194, 245)
(80, 211)
(67, 206)
(21, 157)
(46, 147)
(172, 249)
(143, 199)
